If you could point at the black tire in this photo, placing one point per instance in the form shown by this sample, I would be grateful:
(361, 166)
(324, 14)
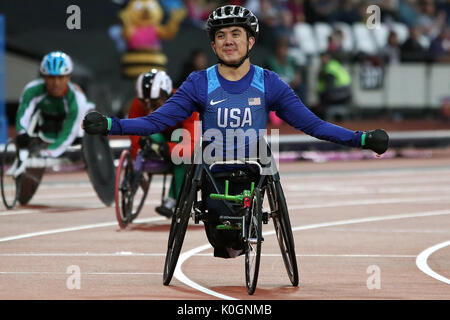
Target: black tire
(178, 227)
(9, 184)
(253, 228)
(140, 194)
(131, 190)
(283, 230)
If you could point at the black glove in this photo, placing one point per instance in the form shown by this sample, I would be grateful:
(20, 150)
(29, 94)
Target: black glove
(376, 140)
(23, 140)
(95, 123)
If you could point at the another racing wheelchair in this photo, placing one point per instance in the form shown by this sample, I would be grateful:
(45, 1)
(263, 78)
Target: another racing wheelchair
(245, 211)
(22, 170)
(133, 180)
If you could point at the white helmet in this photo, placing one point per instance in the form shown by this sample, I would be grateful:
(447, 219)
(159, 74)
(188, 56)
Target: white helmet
(152, 84)
(56, 63)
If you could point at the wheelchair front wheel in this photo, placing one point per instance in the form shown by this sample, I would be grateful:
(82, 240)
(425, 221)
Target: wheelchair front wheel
(253, 238)
(10, 185)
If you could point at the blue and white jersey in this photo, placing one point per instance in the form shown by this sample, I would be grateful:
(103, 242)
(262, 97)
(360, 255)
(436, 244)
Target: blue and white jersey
(234, 121)
(242, 104)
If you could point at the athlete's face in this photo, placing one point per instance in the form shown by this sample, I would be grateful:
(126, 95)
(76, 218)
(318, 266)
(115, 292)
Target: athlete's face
(156, 103)
(153, 104)
(56, 85)
(231, 44)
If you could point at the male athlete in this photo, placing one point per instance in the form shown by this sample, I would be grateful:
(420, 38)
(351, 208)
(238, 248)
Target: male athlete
(51, 108)
(234, 95)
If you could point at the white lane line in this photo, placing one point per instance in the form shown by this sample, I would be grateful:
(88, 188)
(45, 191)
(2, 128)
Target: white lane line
(53, 210)
(49, 210)
(369, 190)
(185, 256)
(422, 264)
(366, 202)
(82, 254)
(84, 273)
(180, 275)
(388, 173)
(137, 254)
(70, 229)
(426, 180)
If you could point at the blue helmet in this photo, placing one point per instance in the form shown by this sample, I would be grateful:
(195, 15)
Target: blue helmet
(56, 63)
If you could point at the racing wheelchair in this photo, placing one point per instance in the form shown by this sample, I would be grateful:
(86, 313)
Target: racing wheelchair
(244, 214)
(133, 180)
(22, 169)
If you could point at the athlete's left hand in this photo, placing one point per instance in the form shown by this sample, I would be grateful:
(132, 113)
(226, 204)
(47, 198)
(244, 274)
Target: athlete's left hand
(376, 140)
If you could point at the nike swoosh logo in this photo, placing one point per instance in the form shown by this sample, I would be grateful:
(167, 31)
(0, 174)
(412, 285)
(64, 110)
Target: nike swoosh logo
(216, 102)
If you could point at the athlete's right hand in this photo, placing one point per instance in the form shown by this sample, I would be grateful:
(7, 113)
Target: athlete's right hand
(95, 123)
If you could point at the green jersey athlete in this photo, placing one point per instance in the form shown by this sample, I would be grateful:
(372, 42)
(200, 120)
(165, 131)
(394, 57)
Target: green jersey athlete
(52, 108)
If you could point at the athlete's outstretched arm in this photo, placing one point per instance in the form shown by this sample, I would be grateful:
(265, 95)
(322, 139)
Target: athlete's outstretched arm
(290, 108)
(179, 107)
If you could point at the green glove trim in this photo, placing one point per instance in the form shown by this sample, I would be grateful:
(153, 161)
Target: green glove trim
(363, 139)
(109, 123)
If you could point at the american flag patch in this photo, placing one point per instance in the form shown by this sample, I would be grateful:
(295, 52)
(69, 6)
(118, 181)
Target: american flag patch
(254, 101)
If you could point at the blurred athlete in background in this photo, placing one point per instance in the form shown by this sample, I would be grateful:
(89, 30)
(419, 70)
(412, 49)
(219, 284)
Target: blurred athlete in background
(152, 91)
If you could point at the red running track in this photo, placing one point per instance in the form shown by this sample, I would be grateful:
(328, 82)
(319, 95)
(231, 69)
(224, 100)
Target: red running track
(371, 229)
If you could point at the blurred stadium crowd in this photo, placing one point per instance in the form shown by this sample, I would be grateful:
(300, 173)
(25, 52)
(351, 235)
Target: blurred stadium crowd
(410, 30)
(295, 33)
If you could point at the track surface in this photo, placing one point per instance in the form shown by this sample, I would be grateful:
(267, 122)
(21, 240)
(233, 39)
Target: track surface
(371, 229)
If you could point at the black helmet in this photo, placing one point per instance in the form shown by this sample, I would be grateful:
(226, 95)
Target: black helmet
(231, 15)
(153, 84)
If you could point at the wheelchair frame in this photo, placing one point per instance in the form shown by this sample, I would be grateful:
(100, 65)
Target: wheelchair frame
(188, 206)
(26, 183)
(132, 186)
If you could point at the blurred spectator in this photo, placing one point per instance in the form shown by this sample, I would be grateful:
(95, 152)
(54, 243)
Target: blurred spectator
(286, 67)
(288, 70)
(269, 19)
(430, 20)
(391, 53)
(412, 50)
(197, 61)
(444, 7)
(285, 27)
(408, 11)
(335, 46)
(389, 10)
(199, 10)
(320, 10)
(334, 89)
(440, 47)
(349, 12)
(254, 6)
(297, 10)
